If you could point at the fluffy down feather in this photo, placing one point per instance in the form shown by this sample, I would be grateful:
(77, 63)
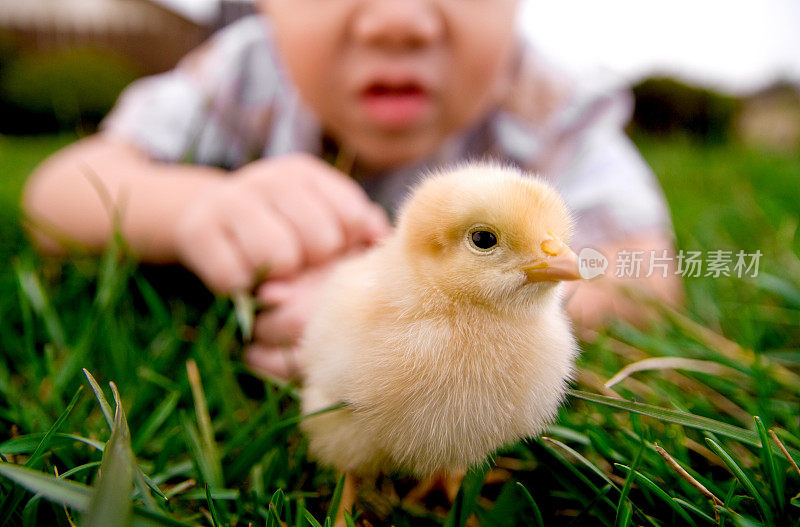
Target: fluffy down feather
(442, 350)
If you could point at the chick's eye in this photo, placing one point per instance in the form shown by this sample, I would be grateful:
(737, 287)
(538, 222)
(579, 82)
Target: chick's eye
(484, 239)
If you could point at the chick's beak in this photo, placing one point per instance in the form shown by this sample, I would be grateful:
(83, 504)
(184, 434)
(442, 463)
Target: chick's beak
(561, 263)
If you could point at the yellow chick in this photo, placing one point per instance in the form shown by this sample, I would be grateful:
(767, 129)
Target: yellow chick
(449, 340)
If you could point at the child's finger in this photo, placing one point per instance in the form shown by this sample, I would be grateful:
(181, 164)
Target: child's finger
(284, 324)
(274, 292)
(376, 224)
(301, 286)
(281, 362)
(319, 232)
(267, 241)
(361, 219)
(213, 256)
(278, 327)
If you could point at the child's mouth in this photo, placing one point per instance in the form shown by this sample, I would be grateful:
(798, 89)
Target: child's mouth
(395, 106)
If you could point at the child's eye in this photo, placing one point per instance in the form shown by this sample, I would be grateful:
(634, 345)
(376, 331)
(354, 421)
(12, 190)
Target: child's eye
(483, 239)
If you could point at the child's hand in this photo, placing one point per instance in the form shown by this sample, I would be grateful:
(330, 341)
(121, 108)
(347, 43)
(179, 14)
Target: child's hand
(278, 328)
(274, 217)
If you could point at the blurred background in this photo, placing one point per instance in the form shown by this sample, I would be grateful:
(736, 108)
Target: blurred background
(733, 45)
(710, 68)
(714, 69)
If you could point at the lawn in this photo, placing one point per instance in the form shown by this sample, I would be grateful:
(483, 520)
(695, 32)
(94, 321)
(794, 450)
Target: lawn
(224, 448)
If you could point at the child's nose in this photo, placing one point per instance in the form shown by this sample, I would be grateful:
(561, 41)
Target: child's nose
(398, 24)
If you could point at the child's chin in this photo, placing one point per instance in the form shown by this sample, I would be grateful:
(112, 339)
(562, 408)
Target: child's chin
(384, 151)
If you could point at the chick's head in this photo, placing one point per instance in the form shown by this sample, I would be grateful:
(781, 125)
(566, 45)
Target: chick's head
(487, 234)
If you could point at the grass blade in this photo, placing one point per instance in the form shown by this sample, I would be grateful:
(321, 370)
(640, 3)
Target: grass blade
(768, 461)
(537, 514)
(65, 492)
(106, 408)
(145, 518)
(275, 507)
(207, 443)
(143, 483)
(101, 398)
(111, 504)
(336, 499)
(684, 474)
(273, 519)
(624, 514)
(585, 462)
(196, 448)
(310, 519)
(35, 295)
(212, 509)
(244, 307)
(300, 512)
(114, 271)
(695, 509)
(650, 485)
(467, 496)
(673, 416)
(625, 507)
(743, 478)
(216, 494)
(242, 463)
(600, 497)
(785, 452)
(29, 443)
(153, 301)
(156, 419)
(562, 472)
(38, 453)
(76, 495)
(670, 363)
(79, 468)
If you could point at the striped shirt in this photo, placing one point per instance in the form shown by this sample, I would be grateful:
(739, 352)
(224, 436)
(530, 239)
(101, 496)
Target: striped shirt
(231, 101)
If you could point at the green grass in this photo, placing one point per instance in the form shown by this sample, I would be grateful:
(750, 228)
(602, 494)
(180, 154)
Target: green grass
(223, 446)
(18, 157)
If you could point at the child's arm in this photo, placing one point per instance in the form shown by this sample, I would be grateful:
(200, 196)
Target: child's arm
(73, 196)
(272, 216)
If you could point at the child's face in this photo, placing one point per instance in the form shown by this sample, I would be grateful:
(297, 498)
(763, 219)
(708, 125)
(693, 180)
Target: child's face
(391, 80)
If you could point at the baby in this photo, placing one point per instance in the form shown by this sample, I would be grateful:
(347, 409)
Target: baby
(220, 164)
